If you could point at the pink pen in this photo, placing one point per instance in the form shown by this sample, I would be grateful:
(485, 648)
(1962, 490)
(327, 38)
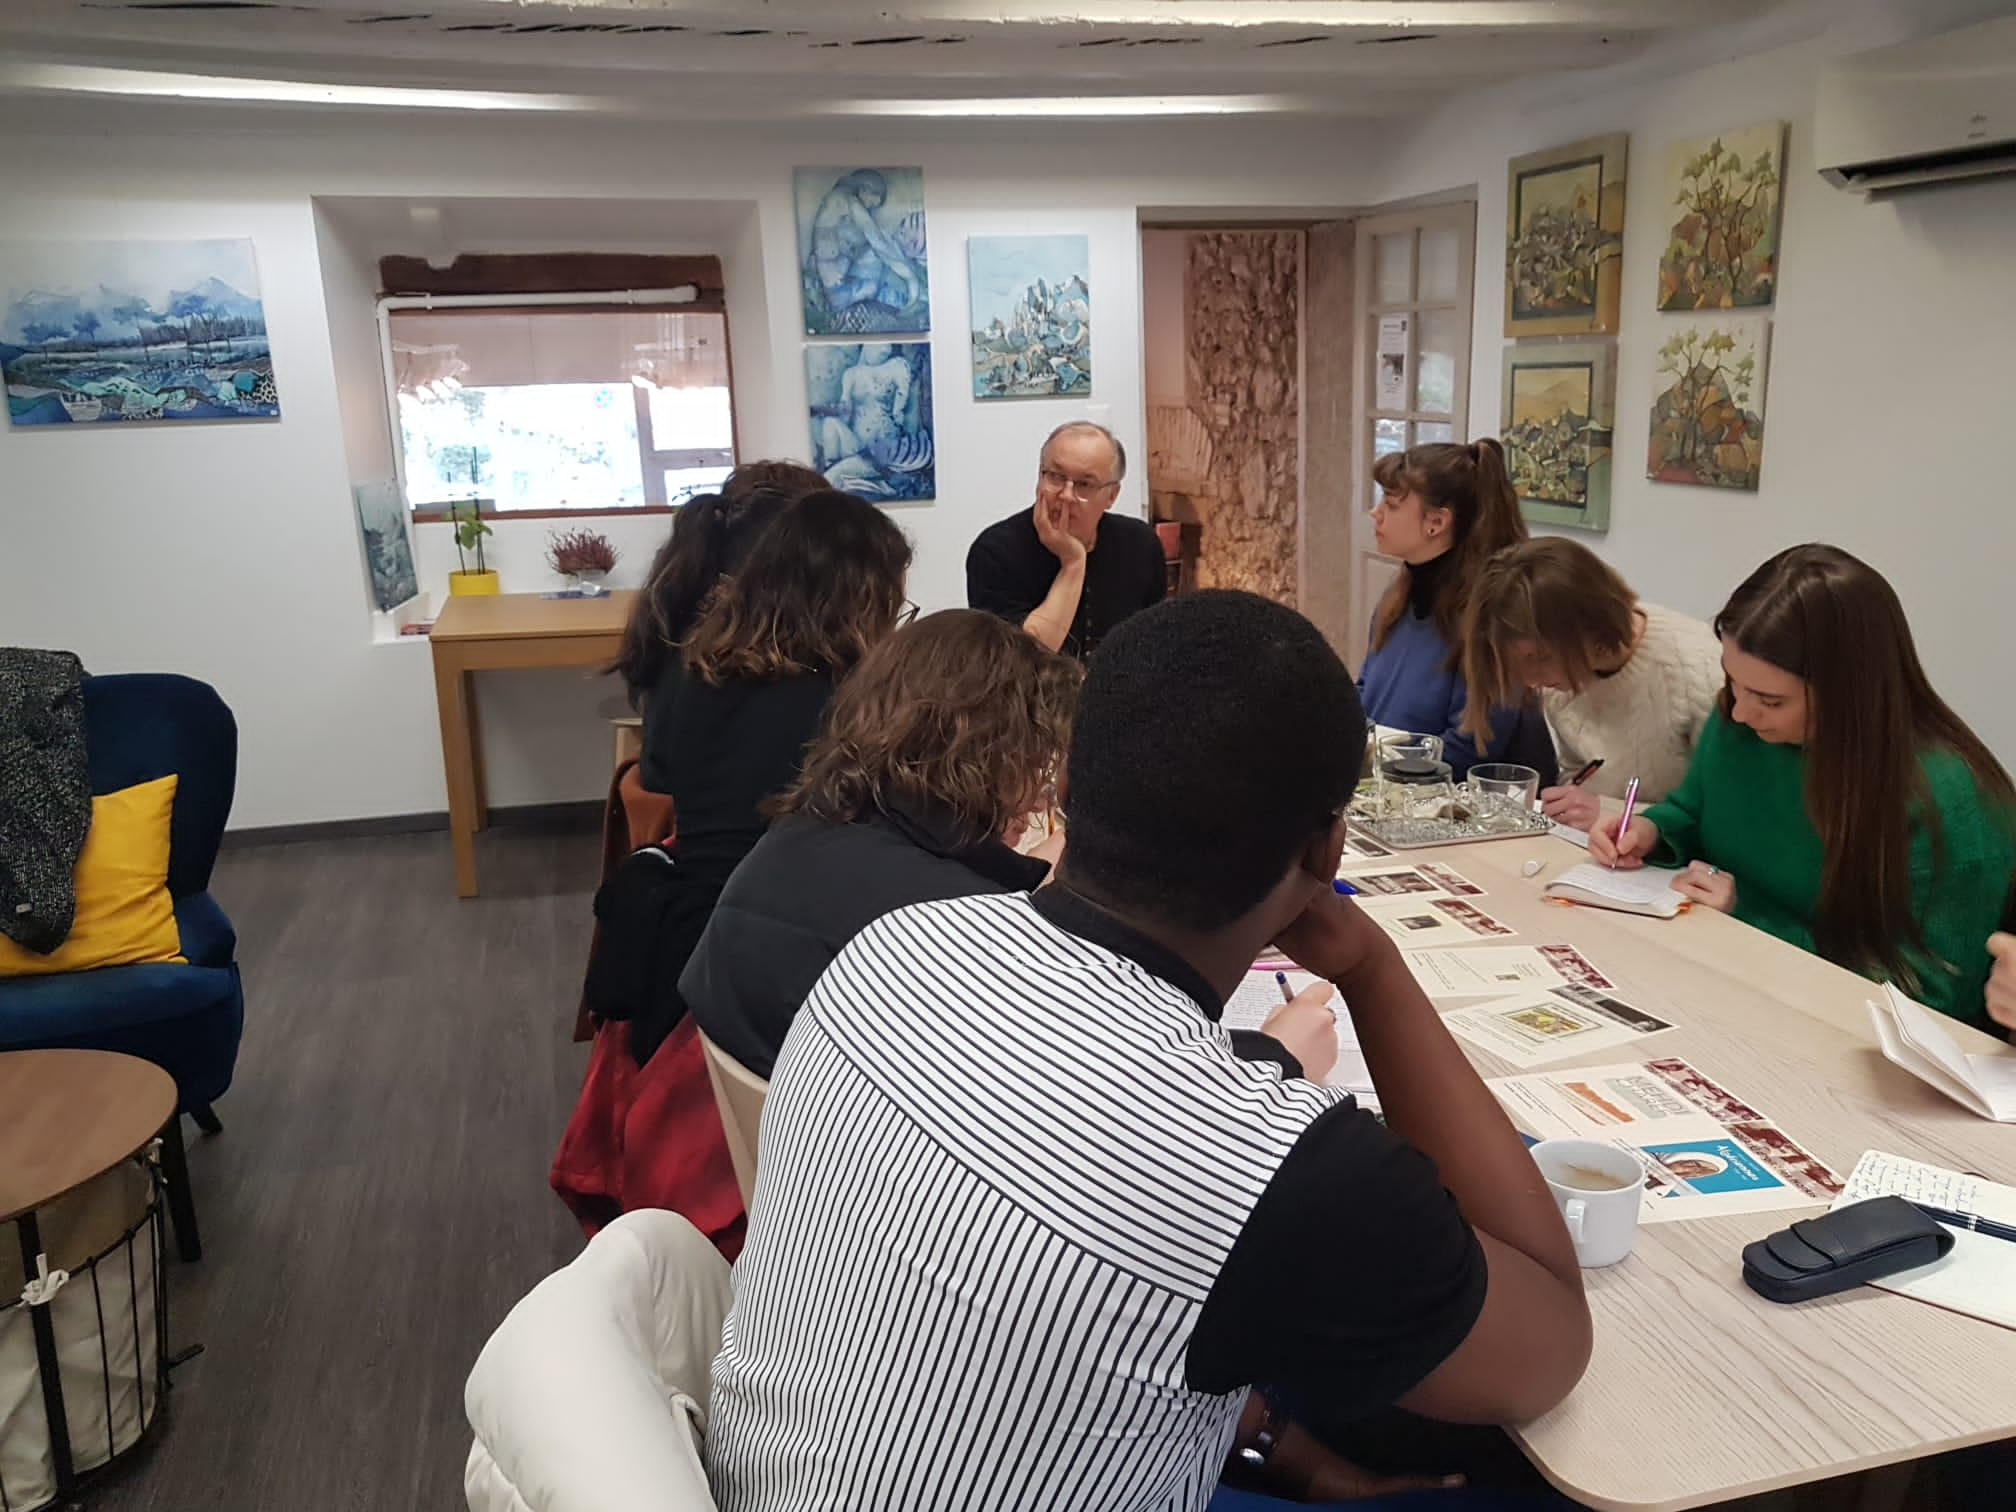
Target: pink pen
(1630, 802)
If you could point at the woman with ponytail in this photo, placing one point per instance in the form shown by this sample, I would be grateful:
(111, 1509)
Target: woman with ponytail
(1443, 510)
(1835, 800)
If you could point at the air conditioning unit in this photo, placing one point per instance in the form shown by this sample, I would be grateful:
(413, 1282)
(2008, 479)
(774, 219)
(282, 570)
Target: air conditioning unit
(1924, 112)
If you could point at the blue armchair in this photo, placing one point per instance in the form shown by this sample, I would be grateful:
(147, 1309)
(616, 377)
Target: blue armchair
(185, 1019)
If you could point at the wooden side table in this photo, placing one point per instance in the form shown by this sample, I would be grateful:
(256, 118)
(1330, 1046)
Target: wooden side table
(72, 1115)
(504, 630)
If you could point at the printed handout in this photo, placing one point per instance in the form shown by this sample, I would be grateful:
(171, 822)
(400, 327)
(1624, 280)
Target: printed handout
(1389, 877)
(1254, 1002)
(1706, 1152)
(1416, 922)
(1551, 1023)
(1359, 846)
(1451, 879)
(1497, 970)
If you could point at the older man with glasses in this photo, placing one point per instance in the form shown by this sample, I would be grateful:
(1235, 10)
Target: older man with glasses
(1065, 569)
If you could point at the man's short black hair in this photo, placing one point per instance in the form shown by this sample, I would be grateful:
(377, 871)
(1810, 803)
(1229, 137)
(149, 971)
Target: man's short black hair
(1216, 735)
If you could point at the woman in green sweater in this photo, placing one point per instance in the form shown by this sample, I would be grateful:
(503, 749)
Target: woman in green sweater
(1834, 799)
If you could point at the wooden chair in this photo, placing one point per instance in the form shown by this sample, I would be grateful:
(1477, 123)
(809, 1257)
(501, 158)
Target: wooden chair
(739, 1094)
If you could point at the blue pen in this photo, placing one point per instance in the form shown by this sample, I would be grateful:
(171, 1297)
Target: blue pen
(1343, 887)
(1281, 980)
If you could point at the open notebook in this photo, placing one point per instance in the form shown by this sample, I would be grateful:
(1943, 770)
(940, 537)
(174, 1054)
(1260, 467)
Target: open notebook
(1645, 890)
(1978, 1276)
(1913, 1037)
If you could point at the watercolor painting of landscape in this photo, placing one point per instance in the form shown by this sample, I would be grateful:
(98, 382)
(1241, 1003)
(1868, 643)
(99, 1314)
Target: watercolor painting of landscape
(133, 330)
(1031, 303)
(1560, 408)
(870, 405)
(861, 250)
(1722, 201)
(1708, 403)
(1564, 238)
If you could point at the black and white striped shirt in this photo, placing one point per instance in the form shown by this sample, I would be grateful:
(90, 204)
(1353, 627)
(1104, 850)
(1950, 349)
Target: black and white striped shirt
(1025, 1229)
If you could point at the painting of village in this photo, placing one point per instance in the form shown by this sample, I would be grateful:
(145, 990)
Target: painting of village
(1564, 239)
(133, 330)
(1722, 199)
(1559, 411)
(1708, 404)
(1031, 316)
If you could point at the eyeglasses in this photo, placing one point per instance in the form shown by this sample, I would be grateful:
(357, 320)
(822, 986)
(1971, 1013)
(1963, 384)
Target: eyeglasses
(910, 612)
(1078, 488)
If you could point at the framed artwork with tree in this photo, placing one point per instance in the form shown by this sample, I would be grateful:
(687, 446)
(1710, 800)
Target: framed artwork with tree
(1559, 409)
(1564, 238)
(1708, 403)
(1723, 197)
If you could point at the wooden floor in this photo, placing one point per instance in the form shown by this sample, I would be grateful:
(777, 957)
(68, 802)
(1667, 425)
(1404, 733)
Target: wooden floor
(378, 1199)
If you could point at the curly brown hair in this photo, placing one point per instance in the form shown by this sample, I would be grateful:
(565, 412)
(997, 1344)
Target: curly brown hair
(961, 712)
(822, 584)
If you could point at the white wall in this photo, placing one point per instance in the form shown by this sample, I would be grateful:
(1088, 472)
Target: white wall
(1888, 409)
(230, 551)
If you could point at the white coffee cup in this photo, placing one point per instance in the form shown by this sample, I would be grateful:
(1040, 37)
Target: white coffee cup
(1599, 1189)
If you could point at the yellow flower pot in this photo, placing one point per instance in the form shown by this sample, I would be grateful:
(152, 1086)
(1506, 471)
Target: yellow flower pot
(472, 584)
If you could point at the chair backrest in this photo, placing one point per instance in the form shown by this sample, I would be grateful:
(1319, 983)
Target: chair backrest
(142, 725)
(591, 1396)
(738, 1093)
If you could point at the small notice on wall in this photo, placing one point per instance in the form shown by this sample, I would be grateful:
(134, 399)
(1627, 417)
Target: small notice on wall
(1392, 368)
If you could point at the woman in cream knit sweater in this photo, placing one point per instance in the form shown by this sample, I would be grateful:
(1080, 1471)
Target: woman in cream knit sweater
(1625, 681)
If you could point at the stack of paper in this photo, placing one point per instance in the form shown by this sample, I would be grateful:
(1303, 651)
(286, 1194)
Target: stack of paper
(1260, 994)
(1978, 1276)
(1912, 1037)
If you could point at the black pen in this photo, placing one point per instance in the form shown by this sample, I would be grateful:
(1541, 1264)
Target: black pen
(1972, 1222)
(1586, 773)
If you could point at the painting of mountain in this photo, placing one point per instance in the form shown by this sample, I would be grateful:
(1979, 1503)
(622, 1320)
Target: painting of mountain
(1031, 306)
(1564, 238)
(1560, 402)
(1722, 202)
(1708, 404)
(133, 330)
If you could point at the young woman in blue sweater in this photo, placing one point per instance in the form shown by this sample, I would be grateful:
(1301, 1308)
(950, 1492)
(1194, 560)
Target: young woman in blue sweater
(1443, 509)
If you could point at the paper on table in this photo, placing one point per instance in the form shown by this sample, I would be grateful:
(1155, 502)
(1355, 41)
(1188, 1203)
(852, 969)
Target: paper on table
(1978, 1276)
(1495, 970)
(1706, 1152)
(1551, 1023)
(1415, 922)
(1254, 1002)
(1912, 1037)
(1572, 836)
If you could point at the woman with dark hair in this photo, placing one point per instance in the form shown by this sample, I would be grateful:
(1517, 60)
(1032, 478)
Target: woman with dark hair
(1835, 800)
(710, 536)
(1443, 510)
(821, 585)
(935, 750)
(1618, 678)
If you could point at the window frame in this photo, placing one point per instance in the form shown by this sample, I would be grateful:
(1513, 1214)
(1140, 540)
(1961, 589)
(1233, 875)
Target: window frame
(687, 299)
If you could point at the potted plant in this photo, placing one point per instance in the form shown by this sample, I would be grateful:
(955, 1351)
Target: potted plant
(469, 532)
(583, 557)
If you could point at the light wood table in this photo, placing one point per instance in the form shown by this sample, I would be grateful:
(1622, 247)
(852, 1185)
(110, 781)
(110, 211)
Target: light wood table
(1700, 1390)
(481, 634)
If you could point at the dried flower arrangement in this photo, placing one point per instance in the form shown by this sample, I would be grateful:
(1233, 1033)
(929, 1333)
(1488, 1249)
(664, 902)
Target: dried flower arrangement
(577, 551)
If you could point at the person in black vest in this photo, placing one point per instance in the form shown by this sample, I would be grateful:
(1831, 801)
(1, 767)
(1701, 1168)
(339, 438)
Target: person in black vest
(1065, 569)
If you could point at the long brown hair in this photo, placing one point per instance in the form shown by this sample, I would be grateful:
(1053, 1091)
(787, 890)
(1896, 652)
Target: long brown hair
(710, 536)
(1825, 617)
(1548, 592)
(1470, 482)
(961, 711)
(822, 584)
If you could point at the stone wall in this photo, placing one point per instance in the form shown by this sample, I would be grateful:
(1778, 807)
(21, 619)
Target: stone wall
(1242, 325)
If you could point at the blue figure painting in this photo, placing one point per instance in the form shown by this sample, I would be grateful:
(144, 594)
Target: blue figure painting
(1032, 316)
(861, 250)
(871, 418)
(133, 330)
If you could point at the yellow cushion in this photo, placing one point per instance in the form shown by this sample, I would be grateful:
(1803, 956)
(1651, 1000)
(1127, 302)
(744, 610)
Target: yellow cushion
(124, 913)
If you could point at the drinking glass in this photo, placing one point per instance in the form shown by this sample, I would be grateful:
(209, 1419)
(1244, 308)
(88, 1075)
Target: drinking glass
(1502, 794)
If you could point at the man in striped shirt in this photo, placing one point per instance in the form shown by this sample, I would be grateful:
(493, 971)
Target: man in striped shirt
(1026, 1230)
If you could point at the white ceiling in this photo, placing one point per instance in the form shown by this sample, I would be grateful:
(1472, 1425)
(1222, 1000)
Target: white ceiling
(767, 59)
